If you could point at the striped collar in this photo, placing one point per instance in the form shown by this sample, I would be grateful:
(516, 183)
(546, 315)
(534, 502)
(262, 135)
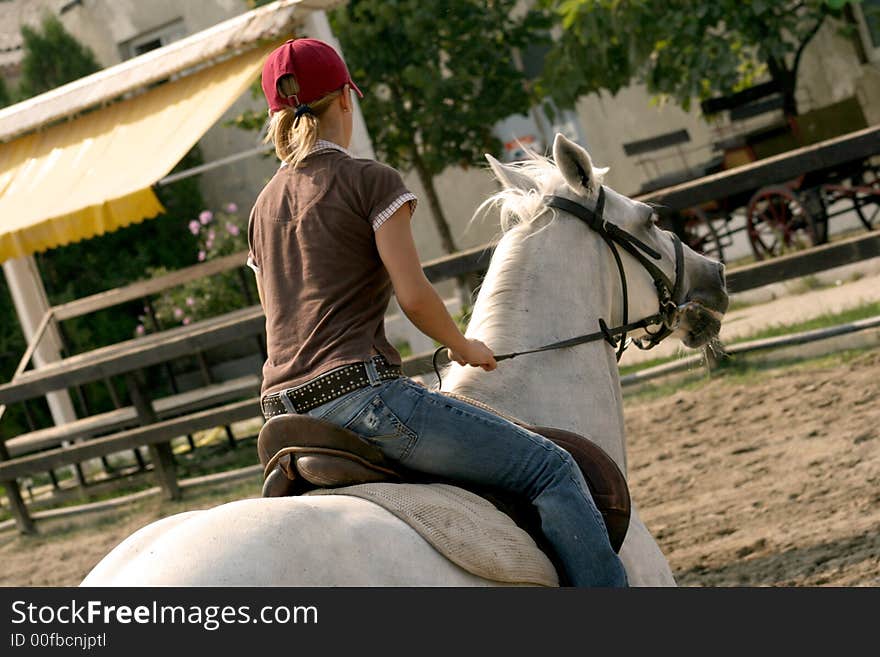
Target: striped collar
(324, 145)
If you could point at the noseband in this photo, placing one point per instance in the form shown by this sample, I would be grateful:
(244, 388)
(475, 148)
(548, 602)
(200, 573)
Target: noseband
(669, 294)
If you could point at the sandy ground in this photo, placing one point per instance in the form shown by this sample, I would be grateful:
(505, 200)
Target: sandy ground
(768, 477)
(764, 478)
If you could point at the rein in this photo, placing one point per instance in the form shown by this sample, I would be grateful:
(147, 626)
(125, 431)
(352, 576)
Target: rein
(668, 292)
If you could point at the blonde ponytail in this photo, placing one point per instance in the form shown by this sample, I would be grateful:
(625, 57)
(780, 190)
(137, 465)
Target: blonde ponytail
(295, 137)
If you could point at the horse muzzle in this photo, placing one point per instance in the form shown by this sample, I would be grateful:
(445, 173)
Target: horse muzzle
(700, 316)
(698, 323)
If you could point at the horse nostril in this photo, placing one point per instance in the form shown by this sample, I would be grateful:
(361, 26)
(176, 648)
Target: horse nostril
(720, 266)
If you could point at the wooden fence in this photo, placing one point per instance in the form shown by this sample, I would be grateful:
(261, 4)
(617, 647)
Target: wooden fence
(156, 432)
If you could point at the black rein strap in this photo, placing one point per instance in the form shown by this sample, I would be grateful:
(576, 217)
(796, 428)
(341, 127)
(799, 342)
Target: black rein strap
(668, 293)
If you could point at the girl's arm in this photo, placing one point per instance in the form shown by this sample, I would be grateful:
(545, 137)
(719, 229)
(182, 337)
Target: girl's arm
(416, 296)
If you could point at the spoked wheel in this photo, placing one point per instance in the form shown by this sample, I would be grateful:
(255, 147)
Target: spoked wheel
(777, 222)
(701, 235)
(866, 197)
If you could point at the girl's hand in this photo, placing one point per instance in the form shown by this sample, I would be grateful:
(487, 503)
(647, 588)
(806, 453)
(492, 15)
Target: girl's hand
(474, 353)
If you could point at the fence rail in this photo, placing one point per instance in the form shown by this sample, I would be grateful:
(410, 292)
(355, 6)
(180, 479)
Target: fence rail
(476, 260)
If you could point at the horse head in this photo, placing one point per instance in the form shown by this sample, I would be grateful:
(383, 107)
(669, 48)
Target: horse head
(649, 258)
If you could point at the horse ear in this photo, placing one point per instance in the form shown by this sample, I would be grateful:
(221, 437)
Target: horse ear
(576, 167)
(510, 176)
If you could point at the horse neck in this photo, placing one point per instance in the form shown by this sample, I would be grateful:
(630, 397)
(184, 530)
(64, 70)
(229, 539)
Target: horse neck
(542, 287)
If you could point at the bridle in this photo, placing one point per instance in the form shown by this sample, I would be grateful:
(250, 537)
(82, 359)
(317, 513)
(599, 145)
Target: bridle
(669, 293)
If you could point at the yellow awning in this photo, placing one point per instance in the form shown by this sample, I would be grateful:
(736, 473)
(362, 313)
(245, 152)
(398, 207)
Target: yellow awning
(92, 175)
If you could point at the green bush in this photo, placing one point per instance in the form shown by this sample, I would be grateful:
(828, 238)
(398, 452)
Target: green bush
(218, 234)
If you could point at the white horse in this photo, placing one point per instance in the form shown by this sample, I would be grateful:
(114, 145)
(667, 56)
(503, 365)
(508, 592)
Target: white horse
(550, 278)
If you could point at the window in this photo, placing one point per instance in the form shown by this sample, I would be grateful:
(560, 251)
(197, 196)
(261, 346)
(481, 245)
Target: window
(153, 39)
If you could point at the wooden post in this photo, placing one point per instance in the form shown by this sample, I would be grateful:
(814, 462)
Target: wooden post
(16, 503)
(19, 510)
(163, 462)
(161, 454)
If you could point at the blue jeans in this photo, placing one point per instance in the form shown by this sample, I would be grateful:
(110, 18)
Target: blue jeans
(429, 432)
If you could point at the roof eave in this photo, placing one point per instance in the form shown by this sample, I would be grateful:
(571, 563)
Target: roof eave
(234, 35)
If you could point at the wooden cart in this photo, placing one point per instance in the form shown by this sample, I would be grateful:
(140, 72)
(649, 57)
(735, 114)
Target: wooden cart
(781, 214)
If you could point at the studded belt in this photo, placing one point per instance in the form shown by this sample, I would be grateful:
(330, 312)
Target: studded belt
(328, 386)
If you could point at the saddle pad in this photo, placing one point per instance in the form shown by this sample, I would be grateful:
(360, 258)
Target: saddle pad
(465, 528)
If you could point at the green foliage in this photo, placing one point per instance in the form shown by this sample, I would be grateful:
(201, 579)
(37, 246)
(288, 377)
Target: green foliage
(218, 234)
(52, 57)
(12, 343)
(436, 75)
(252, 120)
(683, 49)
(5, 97)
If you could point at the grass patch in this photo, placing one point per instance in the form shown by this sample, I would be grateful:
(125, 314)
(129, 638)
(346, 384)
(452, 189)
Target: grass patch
(403, 348)
(218, 457)
(153, 508)
(822, 321)
(738, 371)
(807, 284)
(213, 455)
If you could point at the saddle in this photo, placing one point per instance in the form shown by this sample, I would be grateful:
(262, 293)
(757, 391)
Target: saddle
(300, 453)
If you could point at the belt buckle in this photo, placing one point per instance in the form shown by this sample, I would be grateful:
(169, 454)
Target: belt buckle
(372, 372)
(287, 403)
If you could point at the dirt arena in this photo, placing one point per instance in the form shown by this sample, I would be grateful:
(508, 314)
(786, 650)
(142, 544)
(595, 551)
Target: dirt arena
(753, 478)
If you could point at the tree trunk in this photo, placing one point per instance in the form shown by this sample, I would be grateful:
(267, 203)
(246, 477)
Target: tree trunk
(787, 81)
(440, 222)
(467, 282)
(788, 77)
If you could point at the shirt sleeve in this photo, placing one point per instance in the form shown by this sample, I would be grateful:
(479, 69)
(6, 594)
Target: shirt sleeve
(385, 193)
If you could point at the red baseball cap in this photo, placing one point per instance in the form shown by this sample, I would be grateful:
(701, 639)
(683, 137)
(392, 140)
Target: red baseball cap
(317, 67)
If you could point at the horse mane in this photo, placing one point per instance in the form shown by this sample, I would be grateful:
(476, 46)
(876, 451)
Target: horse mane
(519, 206)
(506, 280)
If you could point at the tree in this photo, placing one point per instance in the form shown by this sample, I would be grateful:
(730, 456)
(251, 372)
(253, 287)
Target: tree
(52, 57)
(437, 76)
(683, 49)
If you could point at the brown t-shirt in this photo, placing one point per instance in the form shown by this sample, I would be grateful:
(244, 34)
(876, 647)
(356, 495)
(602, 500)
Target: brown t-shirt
(312, 244)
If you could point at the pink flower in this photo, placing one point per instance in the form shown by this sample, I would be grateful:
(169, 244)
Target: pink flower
(190, 302)
(194, 227)
(205, 217)
(232, 229)
(186, 320)
(202, 256)
(178, 313)
(140, 330)
(231, 208)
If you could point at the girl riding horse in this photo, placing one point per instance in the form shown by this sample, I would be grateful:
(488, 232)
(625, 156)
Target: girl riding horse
(330, 239)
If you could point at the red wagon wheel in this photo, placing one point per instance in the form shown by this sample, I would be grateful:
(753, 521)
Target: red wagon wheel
(778, 222)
